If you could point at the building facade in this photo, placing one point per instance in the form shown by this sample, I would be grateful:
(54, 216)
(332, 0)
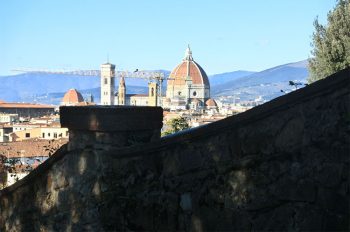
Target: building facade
(48, 133)
(8, 118)
(4, 133)
(26, 109)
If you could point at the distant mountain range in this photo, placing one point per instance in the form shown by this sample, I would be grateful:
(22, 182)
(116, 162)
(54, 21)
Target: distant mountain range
(50, 88)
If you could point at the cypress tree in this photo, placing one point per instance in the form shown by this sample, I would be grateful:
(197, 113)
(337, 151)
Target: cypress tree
(331, 43)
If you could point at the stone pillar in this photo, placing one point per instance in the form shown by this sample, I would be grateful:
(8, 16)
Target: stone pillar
(102, 127)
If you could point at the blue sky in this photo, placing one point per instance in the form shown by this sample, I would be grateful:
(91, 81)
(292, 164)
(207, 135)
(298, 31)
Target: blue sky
(224, 35)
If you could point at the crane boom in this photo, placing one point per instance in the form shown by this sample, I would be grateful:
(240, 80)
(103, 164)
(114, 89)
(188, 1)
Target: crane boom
(145, 74)
(59, 71)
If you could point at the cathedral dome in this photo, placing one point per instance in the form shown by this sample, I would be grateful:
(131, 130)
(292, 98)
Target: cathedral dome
(72, 97)
(188, 68)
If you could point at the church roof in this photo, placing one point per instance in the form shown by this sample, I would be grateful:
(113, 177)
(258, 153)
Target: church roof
(72, 96)
(210, 102)
(188, 68)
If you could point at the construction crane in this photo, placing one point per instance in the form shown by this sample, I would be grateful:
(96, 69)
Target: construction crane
(59, 71)
(151, 76)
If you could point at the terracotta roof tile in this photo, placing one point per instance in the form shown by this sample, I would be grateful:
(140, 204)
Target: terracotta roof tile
(25, 105)
(30, 148)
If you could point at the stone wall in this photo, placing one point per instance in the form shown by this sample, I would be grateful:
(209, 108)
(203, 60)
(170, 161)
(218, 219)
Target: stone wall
(281, 166)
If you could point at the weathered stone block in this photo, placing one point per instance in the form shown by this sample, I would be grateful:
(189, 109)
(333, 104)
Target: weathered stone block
(119, 126)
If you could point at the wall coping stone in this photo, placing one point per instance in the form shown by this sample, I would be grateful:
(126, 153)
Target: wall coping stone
(111, 118)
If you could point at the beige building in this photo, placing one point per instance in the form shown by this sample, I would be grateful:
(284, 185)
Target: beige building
(28, 126)
(150, 99)
(48, 133)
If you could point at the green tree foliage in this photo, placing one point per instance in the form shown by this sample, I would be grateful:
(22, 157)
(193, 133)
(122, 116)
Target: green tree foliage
(331, 43)
(175, 125)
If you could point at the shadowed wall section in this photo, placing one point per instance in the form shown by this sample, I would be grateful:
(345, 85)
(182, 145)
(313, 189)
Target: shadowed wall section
(283, 165)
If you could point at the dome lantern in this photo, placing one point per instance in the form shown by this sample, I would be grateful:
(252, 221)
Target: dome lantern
(188, 54)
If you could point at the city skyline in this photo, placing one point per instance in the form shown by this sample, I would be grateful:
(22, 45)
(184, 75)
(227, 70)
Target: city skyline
(224, 36)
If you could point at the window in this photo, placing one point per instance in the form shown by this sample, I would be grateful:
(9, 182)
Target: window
(60, 135)
(55, 135)
(106, 81)
(43, 135)
(27, 135)
(48, 134)
(152, 92)
(194, 93)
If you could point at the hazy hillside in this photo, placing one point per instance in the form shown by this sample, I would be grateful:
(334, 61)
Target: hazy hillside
(267, 83)
(226, 77)
(26, 85)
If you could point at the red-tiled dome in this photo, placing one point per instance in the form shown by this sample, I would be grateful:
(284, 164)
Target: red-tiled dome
(72, 97)
(211, 103)
(188, 68)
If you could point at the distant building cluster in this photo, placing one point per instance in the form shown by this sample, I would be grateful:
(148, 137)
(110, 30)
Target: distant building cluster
(28, 130)
(25, 142)
(29, 133)
(188, 88)
(46, 127)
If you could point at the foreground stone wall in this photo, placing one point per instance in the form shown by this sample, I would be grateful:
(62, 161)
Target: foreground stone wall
(280, 166)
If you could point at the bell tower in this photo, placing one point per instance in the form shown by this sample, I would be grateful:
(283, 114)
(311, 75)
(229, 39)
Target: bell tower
(152, 94)
(107, 84)
(121, 91)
